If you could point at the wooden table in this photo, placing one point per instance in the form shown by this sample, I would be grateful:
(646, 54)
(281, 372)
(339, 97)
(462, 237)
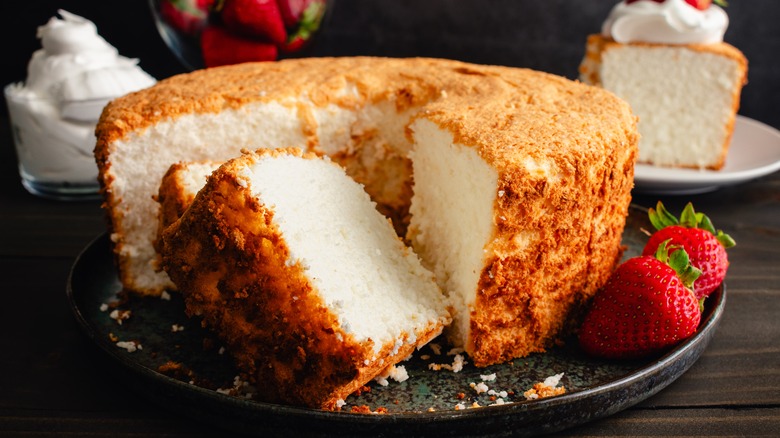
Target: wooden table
(55, 382)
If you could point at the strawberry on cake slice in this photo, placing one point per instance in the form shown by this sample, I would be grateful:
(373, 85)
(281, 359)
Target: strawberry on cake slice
(667, 59)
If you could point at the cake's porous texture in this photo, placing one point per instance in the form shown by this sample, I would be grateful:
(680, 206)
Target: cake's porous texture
(686, 96)
(512, 185)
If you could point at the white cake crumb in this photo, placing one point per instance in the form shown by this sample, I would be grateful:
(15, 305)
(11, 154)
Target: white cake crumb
(103, 307)
(119, 315)
(165, 296)
(397, 373)
(548, 388)
(553, 381)
(457, 365)
(488, 377)
(479, 387)
(130, 346)
(340, 403)
(177, 328)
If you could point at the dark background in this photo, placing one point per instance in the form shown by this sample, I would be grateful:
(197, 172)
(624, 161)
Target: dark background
(547, 35)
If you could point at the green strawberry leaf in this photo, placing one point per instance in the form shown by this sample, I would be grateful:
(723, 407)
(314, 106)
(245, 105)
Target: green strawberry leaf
(677, 258)
(722, 3)
(706, 224)
(689, 218)
(311, 17)
(660, 217)
(725, 239)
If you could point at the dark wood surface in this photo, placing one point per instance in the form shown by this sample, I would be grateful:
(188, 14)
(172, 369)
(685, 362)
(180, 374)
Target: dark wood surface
(55, 382)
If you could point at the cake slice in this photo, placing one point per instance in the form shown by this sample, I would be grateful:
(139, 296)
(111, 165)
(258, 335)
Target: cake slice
(686, 96)
(667, 59)
(287, 259)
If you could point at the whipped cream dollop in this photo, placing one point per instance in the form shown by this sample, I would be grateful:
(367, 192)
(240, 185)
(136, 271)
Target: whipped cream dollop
(670, 22)
(69, 81)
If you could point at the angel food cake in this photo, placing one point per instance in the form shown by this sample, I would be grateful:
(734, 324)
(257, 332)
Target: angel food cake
(512, 185)
(668, 60)
(288, 290)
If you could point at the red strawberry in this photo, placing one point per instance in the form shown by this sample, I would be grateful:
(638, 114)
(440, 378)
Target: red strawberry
(694, 232)
(309, 22)
(645, 308)
(187, 16)
(291, 10)
(698, 4)
(221, 47)
(254, 18)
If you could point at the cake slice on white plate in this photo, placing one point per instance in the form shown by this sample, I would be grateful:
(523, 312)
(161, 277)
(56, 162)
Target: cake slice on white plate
(668, 60)
(288, 260)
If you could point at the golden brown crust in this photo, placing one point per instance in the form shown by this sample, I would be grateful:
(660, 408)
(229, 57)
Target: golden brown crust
(231, 263)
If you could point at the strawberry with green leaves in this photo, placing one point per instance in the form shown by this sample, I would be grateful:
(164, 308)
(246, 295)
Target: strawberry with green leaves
(695, 233)
(646, 307)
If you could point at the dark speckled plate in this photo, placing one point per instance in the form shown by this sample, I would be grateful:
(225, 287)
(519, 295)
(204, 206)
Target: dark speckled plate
(180, 366)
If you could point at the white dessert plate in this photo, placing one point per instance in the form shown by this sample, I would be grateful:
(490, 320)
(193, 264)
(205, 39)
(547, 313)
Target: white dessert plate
(754, 152)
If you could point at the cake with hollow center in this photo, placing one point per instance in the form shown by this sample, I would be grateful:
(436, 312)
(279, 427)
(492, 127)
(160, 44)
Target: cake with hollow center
(512, 185)
(668, 60)
(309, 286)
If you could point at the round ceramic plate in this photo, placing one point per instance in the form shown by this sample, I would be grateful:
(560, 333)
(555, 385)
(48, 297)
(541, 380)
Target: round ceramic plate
(181, 366)
(754, 152)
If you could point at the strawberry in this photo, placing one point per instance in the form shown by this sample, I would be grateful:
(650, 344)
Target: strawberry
(308, 21)
(259, 19)
(645, 307)
(186, 16)
(694, 232)
(291, 11)
(220, 47)
(698, 4)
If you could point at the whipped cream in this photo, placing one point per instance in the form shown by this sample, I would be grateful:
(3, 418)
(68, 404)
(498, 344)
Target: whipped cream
(670, 22)
(54, 112)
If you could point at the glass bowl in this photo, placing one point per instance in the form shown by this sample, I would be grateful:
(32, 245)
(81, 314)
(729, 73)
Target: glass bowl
(182, 23)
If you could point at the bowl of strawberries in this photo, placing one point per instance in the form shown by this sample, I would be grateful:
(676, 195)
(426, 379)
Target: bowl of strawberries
(210, 33)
